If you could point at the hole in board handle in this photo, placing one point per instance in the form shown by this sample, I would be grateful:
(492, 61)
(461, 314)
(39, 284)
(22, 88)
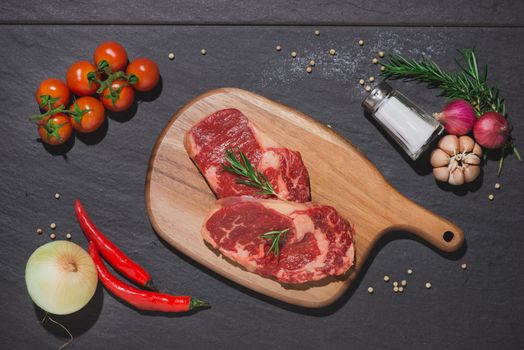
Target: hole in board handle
(448, 236)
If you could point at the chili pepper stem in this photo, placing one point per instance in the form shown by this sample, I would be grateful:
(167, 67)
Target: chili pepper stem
(196, 303)
(151, 286)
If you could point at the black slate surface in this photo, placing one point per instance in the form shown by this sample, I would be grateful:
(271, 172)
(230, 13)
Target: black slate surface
(492, 13)
(481, 307)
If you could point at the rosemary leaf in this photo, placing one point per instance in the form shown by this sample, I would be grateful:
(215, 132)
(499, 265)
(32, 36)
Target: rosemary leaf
(275, 237)
(248, 175)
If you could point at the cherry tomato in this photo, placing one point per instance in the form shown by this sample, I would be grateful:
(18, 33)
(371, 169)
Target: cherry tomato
(113, 53)
(124, 96)
(77, 81)
(56, 129)
(55, 88)
(90, 120)
(147, 73)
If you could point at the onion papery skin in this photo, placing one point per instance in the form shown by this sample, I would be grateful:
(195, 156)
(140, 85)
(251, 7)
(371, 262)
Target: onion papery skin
(457, 117)
(51, 279)
(491, 130)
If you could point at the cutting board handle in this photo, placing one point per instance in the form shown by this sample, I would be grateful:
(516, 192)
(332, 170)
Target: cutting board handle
(433, 228)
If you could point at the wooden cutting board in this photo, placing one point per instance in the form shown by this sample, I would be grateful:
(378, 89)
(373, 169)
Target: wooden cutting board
(178, 198)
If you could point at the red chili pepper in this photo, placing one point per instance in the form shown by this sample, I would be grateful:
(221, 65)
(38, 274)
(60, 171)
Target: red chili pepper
(111, 252)
(141, 299)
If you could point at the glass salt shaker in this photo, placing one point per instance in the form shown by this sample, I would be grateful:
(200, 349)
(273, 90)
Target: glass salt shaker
(411, 127)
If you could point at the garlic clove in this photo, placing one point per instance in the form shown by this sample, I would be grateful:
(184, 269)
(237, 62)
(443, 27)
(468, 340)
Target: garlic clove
(466, 144)
(449, 144)
(477, 150)
(441, 174)
(471, 172)
(439, 158)
(472, 159)
(456, 177)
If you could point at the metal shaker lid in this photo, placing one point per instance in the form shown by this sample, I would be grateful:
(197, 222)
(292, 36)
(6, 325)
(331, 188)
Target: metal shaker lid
(376, 96)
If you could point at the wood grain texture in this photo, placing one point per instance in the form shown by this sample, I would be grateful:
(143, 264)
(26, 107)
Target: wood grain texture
(178, 198)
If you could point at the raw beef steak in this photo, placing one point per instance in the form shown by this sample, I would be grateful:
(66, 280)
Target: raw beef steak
(319, 242)
(207, 142)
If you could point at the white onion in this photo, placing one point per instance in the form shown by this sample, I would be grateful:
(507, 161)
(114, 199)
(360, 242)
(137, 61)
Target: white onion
(61, 277)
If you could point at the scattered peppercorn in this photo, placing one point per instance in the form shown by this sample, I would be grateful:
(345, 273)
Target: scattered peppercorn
(401, 289)
(309, 69)
(329, 126)
(361, 42)
(367, 88)
(293, 54)
(382, 68)
(491, 197)
(57, 195)
(428, 285)
(395, 284)
(332, 52)
(371, 79)
(361, 81)
(203, 51)
(410, 271)
(386, 278)
(403, 283)
(395, 289)
(497, 186)
(68, 236)
(52, 225)
(39, 231)
(374, 60)
(370, 290)
(317, 32)
(171, 56)
(463, 266)
(52, 236)
(278, 48)
(381, 54)
(312, 63)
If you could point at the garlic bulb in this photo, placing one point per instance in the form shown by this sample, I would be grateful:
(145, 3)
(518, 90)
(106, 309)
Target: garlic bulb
(456, 160)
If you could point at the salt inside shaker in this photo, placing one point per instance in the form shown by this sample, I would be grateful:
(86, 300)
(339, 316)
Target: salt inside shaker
(411, 127)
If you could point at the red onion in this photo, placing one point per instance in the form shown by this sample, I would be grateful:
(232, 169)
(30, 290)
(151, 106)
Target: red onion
(457, 117)
(491, 130)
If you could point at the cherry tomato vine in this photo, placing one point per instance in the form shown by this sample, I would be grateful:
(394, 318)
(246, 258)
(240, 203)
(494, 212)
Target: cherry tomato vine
(112, 78)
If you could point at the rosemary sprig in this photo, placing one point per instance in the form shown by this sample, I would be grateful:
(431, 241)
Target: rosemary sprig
(275, 237)
(249, 176)
(469, 84)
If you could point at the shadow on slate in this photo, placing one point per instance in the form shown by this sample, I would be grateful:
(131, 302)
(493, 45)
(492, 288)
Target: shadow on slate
(96, 136)
(152, 95)
(78, 322)
(59, 150)
(339, 303)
